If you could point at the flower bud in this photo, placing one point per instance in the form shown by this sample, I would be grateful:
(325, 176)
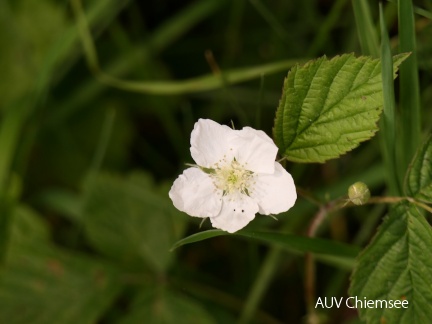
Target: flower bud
(358, 193)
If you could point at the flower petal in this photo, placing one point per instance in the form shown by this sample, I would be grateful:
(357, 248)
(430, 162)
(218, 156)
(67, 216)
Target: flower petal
(194, 193)
(210, 143)
(255, 150)
(237, 211)
(275, 193)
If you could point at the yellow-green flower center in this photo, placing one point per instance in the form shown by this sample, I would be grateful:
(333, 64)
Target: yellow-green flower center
(233, 177)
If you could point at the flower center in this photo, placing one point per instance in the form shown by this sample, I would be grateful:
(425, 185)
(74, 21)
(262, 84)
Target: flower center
(233, 177)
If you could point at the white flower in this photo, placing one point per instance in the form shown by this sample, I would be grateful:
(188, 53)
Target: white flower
(236, 177)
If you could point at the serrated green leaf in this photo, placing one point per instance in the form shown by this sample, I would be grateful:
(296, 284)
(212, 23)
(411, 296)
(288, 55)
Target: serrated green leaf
(397, 265)
(165, 307)
(130, 221)
(329, 106)
(334, 253)
(419, 177)
(42, 284)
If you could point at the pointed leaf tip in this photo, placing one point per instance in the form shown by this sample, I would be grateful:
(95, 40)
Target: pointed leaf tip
(328, 107)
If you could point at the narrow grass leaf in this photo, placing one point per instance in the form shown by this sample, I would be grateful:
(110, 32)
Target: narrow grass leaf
(328, 251)
(388, 122)
(365, 28)
(410, 125)
(325, 31)
(270, 18)
(198, 237)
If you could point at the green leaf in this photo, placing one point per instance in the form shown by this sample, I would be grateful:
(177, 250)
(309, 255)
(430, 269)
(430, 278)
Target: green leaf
(328, 251)
(165, 307)
(42, 284)
(397, 265)
(419, 177)
(329, 106)
(130, 221)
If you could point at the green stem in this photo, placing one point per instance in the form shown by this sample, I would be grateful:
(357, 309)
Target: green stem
(310, 267)
(103, 141)
(282, 159)
(392, 200)
(197, 84)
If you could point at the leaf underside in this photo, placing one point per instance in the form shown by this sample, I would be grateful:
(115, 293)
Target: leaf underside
(328, 107)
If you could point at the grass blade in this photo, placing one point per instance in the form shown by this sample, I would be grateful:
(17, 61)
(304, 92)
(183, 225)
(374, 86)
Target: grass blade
(328, 251)
(365, 27)
(270, 18)
(410, 127)
(324, 32)
(388, 123)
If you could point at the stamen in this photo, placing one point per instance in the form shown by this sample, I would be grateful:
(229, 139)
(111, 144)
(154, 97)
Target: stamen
(233, 177)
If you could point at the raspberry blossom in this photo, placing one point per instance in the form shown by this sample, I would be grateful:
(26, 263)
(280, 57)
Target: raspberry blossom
(236, 177)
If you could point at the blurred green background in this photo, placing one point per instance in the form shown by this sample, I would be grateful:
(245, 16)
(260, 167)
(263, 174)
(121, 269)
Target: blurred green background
(86, 224)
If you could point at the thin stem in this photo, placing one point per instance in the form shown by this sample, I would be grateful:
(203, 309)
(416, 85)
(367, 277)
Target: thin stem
(282, 159)
(270, 18)
(390, 200)
(264, 277)
(217, 72)
(259, 104)
(340, 203)
(191, 85)
(310, 268)
(308, 196)
(420, 204)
